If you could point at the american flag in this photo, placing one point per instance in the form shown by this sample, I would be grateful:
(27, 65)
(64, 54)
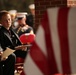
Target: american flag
(54, 49)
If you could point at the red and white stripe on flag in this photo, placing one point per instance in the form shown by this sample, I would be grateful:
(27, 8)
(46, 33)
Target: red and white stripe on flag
(54, 49)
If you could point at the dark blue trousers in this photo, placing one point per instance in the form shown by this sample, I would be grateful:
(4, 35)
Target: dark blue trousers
(7, 67)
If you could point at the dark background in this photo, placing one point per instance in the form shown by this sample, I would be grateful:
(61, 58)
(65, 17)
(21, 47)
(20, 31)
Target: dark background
(19, 5)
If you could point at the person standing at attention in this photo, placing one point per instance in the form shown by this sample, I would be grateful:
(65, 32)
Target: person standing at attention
(31, 17)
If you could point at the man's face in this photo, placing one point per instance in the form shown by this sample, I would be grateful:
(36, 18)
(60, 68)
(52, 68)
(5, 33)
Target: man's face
(6, 21)
(32, 11)
(22, 21)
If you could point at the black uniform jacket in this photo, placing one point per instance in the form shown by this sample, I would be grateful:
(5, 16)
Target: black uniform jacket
(7, 39)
